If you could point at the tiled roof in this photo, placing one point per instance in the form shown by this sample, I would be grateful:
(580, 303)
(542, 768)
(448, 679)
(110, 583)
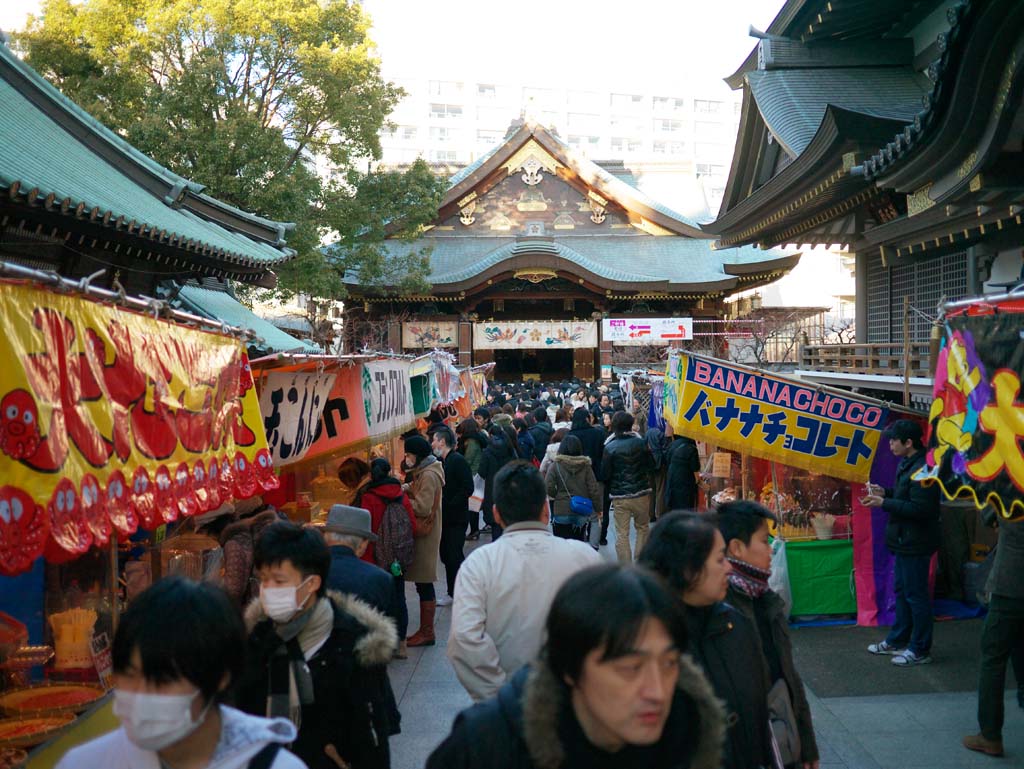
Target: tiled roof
(221, 306)
(793, 101)
(42, 156)
(628, 259)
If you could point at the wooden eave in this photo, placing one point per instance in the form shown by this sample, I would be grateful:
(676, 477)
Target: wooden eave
(817, 178)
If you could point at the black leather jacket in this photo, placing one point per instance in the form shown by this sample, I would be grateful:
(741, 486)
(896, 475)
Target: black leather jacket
(627, 465)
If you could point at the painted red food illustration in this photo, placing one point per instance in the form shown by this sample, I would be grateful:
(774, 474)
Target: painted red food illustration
(245, 477)
(163, 494)
(119, 507)
(24, 527)
(227, 480)
(213, 483)
(68, 527)
(143, 500)
(94, 508)
(184, 495)
(265, 474)
(19, 425)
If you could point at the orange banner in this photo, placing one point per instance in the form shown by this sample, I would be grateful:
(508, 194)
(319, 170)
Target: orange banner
(342, 426)
(111, 420)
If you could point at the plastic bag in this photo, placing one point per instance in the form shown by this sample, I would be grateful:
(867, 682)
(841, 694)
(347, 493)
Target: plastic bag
(476, 501)
(779, 579)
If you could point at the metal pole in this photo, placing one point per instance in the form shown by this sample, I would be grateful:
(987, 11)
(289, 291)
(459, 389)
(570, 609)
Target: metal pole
(906, 351)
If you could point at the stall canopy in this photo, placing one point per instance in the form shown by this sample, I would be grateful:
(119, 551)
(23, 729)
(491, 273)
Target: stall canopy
(111, 420)
(977, 416)
(773, 417)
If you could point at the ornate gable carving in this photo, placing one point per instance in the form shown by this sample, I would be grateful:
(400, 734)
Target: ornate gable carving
(531, 159)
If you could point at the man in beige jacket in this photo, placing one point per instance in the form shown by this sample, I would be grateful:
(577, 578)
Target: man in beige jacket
(504, 590)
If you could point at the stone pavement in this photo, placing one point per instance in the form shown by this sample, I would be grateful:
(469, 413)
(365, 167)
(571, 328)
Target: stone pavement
(906, 731)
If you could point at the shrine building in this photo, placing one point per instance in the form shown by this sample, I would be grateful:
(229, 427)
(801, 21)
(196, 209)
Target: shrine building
(545, 262)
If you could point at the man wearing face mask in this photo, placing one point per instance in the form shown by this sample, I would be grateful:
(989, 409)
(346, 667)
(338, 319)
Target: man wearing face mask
(317, 658)
(175, 653)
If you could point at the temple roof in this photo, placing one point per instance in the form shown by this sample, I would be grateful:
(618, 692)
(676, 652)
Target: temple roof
(56, 155)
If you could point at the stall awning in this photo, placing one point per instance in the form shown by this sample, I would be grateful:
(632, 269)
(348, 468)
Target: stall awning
(221, 306)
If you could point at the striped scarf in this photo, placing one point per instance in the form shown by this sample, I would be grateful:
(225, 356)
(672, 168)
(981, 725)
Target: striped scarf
(748, 579)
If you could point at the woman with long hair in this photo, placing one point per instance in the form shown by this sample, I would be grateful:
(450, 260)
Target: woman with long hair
(570, 475)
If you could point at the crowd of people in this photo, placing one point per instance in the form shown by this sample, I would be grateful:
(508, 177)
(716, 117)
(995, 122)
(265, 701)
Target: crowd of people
(675, 654)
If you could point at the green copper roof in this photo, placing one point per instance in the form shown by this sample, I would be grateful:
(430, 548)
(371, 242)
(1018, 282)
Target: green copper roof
(684, 263)
(221, 306)
(793, 101)
(40, 153)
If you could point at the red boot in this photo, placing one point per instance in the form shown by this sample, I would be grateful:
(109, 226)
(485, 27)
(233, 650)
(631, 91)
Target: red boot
(425, 635)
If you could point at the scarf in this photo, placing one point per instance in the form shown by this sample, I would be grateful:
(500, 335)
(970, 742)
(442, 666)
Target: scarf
(748, 579)
(291, 683)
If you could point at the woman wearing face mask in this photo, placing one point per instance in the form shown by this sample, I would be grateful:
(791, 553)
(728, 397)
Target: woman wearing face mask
(175, 653)
(317, 659)
(689, 553)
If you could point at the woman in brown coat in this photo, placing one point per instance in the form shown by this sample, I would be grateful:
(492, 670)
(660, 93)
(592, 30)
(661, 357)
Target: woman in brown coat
(571, 475)
(423, 484)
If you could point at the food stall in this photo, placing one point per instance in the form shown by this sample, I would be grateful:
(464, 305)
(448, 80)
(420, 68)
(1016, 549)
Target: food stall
(802, 451)
(115, 426)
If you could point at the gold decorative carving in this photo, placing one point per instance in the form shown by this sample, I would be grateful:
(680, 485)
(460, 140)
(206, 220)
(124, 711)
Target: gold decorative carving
(919, 201)
(531, 158)
(500, 222)
(976, 183)
(597, 215)
(467, 200)
(534, 274)
(531, 172)
(596, 198)
(564, 222)
(532, 200)
(466, 213)
(969, 163)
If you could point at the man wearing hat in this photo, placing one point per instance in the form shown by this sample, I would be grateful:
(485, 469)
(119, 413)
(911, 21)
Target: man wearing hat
(912, 535)
(347, 533)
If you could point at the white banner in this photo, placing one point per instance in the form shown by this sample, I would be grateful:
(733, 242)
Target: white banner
(291, 405)
(626, 331)
(387, 398)
(535, 335)
(421, 335)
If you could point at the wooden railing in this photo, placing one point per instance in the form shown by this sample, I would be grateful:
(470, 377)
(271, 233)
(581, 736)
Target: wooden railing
(887, 359)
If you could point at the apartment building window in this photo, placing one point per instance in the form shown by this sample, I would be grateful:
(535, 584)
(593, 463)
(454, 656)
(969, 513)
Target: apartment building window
(577, 140)
(627, 100)
(486, 91)
(408, 133)
(625, 144)
(445, 88)
(668, 148)
(668, 126)
(706, 129)
(627, 124)
(668, 103)
(707, 107)
(541, 97)
(444, 134)
(489, 138)
(444, 156)
(445, 111)
(709, 169)
(584, 99)
(584, 121)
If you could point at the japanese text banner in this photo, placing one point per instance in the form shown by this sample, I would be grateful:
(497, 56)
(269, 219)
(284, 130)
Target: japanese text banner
(292, 404)
(769, 417)
(977, 420)
(111, 420)
(387, 398)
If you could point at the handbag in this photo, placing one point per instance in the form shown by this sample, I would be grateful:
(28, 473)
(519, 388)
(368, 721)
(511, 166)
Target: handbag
(782, 719)
(578, 505)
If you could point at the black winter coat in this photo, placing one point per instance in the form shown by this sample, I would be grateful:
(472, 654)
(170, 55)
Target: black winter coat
(541, 434)
(724, 643)
(354, 707)
(530, 724)
(680, 484)
(627, 465)
(457, 489)
(592, 439)
(914, 526)
(350, 575)
(772, 608)
(497, 454)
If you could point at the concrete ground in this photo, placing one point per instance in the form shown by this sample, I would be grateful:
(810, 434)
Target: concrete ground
(883, 728)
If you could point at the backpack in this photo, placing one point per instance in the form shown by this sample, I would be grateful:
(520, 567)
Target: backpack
(395, 543)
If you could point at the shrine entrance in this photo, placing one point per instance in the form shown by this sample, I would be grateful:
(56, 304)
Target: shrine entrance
(539, 365)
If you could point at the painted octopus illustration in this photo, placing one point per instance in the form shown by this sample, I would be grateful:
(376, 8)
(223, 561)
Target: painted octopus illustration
(19, 425)
(24, 529)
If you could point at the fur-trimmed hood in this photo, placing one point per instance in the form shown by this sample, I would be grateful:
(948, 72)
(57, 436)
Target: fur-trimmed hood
(375, 646)
(544, 698)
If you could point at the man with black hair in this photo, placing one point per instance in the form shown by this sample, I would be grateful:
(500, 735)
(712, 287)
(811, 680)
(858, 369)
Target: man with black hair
(612, 688)
(541, 432)
(912, 534)
(744, 528)
(500, 604)
(626, 467)
(683, 478)
(318, 659)
(455, 494)
(175, 654)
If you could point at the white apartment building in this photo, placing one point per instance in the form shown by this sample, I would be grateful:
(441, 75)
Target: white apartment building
(660, 135)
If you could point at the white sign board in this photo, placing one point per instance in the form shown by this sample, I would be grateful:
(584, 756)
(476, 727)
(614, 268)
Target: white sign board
(646, 330)
(291, 405)
(387, 398)
(534, 335)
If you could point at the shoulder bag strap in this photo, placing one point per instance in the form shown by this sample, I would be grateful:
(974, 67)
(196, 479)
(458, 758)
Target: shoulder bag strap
(265, 758)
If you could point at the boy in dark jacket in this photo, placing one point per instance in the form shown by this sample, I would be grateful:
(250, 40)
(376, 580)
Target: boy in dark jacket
(912, 535)
(317, 659)
(744, 527)
(626, 467)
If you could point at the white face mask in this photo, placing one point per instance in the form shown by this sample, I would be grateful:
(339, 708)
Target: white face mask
(281, 603)
(154, 721)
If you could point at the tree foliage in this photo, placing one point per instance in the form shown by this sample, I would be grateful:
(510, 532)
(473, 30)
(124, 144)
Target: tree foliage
(272, 104)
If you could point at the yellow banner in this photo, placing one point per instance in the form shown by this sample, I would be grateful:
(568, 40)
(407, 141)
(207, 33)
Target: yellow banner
(114, 420)
(772, 418)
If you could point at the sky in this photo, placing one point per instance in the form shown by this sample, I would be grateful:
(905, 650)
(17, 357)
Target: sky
(636, 44)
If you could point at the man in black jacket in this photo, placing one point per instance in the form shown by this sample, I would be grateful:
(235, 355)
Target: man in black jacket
(541, 432)
(612, 688)
(348, 533)
(912, 535)
(627, 466)
(315, 658)
(458, 488)
(683, 474)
